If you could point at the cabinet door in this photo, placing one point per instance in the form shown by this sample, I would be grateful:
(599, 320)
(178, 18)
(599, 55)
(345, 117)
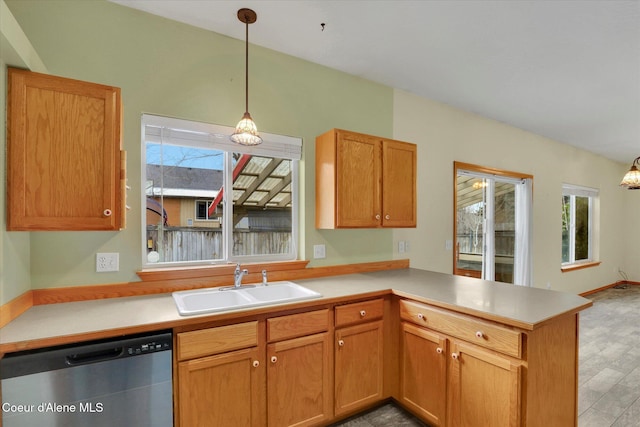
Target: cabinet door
(423, 373)
(358, 174)
(63, 160)
(483, 386)
(222, 390)
(358, 366)
(299, 381)
(398, 184)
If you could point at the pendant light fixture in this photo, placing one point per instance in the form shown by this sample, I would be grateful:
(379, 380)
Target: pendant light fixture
(246, 131)
(631, 179)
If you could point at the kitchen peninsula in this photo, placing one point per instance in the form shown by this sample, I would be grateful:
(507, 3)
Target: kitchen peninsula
(441, 343)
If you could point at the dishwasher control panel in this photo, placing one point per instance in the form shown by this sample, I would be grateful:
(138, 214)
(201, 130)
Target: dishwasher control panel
(148, 347)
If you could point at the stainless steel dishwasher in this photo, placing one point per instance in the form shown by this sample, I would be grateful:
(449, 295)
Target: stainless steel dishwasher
(119, 382)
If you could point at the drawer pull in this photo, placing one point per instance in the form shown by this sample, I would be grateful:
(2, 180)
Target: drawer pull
(256, 363)
(479, 334)
(274, 359)
(363, 313)
(341, 343)
(439, 350)
(454, 356)
(420, 316)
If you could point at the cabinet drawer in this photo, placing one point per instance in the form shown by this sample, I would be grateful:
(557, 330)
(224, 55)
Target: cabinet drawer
(359, 312)
(297, 325)
(217, 340)
(472, 330)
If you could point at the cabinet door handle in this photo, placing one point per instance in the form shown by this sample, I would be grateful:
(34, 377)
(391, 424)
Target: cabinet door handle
(107, 212)
(341, 343)
(378, 216)
(363, 313)
(439, 350)
(479, 334)
(274, 359)
(387, 217)
(256, 363)
(454, 356)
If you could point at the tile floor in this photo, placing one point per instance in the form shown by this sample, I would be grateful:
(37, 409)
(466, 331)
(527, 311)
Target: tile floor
(609, 360)
(609, 367)
(387, 415)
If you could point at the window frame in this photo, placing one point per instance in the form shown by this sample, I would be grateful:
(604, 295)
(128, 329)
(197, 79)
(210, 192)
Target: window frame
(274, 146)
(592, 195)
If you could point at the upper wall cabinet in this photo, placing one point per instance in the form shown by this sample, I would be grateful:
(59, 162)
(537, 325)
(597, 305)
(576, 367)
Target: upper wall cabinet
(65, 167)
(363, 181)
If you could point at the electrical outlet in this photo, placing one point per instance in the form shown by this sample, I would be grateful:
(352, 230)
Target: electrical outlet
(448, 245)
(319, 251)
(107, 261)
(401, 246)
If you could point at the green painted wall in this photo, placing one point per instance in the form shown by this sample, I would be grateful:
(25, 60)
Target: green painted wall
(168, 68)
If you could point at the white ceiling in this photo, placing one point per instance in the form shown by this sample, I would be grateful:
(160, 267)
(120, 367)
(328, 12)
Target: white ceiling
(568, 70)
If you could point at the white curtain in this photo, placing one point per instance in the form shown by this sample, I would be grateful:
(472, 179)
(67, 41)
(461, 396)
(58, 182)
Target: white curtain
(523, 260)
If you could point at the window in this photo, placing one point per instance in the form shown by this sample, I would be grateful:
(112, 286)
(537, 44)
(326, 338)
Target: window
(202, 210)
(578, 212)
(208, 200)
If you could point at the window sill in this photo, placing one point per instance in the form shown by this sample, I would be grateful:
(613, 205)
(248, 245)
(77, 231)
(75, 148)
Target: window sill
(579, 266)
(211, 271)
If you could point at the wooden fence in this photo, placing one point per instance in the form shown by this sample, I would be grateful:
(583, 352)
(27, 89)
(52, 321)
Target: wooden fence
(193, 244)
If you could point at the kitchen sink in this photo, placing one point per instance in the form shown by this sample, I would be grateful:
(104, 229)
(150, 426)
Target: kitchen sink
(210, 300)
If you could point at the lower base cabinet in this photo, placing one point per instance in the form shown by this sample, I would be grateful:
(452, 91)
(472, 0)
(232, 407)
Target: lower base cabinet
(298, 381)
(423, 373)
(312, 368)
(222, 390)
(359, 367)
(483, 386)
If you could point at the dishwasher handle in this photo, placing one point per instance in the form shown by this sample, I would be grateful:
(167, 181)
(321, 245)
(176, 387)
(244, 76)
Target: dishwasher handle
(94, 356)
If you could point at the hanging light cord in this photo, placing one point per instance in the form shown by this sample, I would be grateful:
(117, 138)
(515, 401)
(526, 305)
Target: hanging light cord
(246, 64)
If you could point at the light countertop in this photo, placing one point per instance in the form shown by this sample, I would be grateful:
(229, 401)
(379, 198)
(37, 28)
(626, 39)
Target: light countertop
(522, 307)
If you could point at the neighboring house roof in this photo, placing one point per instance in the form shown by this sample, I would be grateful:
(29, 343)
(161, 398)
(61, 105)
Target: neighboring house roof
(183, 181)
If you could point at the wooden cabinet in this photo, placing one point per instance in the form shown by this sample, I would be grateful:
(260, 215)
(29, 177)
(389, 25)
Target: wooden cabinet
(63, 154)
(483, 385)
(359, 362)
(314, 367)
(363, 181)
(423, 373)
(447, 381)
(299, 379)
(221, 377)
(222, 390)
(299, 376)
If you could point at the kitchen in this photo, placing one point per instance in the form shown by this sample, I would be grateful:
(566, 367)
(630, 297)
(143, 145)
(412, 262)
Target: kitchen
(175, 70)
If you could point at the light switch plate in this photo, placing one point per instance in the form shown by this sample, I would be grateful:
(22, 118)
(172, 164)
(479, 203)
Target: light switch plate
(107, 261)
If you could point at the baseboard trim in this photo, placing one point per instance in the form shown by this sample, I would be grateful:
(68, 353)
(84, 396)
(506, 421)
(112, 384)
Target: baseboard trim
(155, 283)
(619, 282)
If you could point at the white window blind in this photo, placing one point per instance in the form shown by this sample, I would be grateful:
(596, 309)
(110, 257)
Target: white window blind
(168, 130)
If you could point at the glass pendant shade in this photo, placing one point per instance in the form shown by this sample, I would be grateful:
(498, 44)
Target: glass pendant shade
(631, 179)
(246, 132)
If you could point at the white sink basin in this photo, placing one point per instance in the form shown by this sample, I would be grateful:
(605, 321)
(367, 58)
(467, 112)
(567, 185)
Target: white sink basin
(201, 301)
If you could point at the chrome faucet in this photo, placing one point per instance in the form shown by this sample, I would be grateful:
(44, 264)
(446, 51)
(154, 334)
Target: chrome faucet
(237, 276)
